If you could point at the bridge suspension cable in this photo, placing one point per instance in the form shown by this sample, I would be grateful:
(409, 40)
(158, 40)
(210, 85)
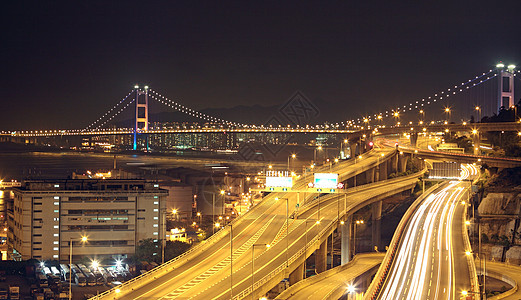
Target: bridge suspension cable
(108, 112)
(419, 104)
(181, 108)
(114, 115)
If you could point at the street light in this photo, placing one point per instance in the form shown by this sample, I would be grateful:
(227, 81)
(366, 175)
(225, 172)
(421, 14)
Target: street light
(291, 156)
(478, 109)
(287, 228)
(357, 222)
(447, 111)
(306, 244)
(174, 212)
(83, 240)
(253, 264)
(315, 153)
(231, 261)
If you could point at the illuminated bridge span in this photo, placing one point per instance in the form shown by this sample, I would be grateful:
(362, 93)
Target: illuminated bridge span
(383, 121)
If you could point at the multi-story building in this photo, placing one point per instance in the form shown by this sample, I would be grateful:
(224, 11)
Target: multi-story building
(47, 216)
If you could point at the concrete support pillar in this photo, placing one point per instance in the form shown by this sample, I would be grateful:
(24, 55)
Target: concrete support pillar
(376, 220)
(383, 171)
(297, 275)
(345, 244)
(476, 141)
(394, 163)
(321, 257)
(402, 163)
(369, 175)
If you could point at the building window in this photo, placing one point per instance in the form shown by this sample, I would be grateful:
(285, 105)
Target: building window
(56, 210)
(56, 203)
(37, 243)
(155, 233)
(156, 202)
(55, 248)
(37, 203)
(37, 211)
(156, 210)
(55, 256)
(37, 234)
(56, 227)
(56, 185)
(37, 249)
(56, 198)
(155, 225)
(56, 242)
(56, 234)
(156, 218)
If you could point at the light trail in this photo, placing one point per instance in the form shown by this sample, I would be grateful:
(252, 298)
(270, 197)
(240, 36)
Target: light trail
(426, 265)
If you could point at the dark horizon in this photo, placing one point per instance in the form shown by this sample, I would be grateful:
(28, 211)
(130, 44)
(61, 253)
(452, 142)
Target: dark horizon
(65, 64)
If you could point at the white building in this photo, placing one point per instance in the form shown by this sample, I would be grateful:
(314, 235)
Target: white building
(114, 215)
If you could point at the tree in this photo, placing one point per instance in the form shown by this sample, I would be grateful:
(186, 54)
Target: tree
(146, 249)
(175, 248)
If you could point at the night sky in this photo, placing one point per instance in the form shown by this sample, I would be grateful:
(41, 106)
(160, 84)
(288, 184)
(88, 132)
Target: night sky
(66, 63)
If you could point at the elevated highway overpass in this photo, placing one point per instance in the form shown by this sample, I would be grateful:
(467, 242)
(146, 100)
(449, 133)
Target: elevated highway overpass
(204, 271)
(333, 284)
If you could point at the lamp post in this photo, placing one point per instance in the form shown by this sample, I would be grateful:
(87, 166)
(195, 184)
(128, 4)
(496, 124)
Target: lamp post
(174, 212)
(213, 210)
(287, 228)
(447, 111)
(306, 244)
(253, 264)
(478, 109)
(422, 116)
(231, 261)
(293, 156)
(315, 153)
(358, 222)
(83, 240)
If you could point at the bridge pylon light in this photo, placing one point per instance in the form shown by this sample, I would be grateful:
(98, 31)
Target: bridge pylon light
(505, 86)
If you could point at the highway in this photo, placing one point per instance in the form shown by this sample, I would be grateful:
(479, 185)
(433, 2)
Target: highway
(430, 261)
(335, 282)
(204, 272)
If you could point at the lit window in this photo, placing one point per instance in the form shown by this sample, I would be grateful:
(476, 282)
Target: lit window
(156, 185)
(56, 234)
(57, 185)
(55, 256)
(155, 241)
(155, 233)
(155, 225)
(56, 219)
(56, 203)
(155, 197)
(56, 198)
(55, 242)
(156, 202)
(56, 210)
(55, 248)
(156, 218)
(55, 226)
(156, 210)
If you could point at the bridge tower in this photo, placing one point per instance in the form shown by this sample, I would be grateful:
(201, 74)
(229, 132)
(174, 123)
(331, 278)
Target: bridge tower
(141, 113)
(505, 86)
